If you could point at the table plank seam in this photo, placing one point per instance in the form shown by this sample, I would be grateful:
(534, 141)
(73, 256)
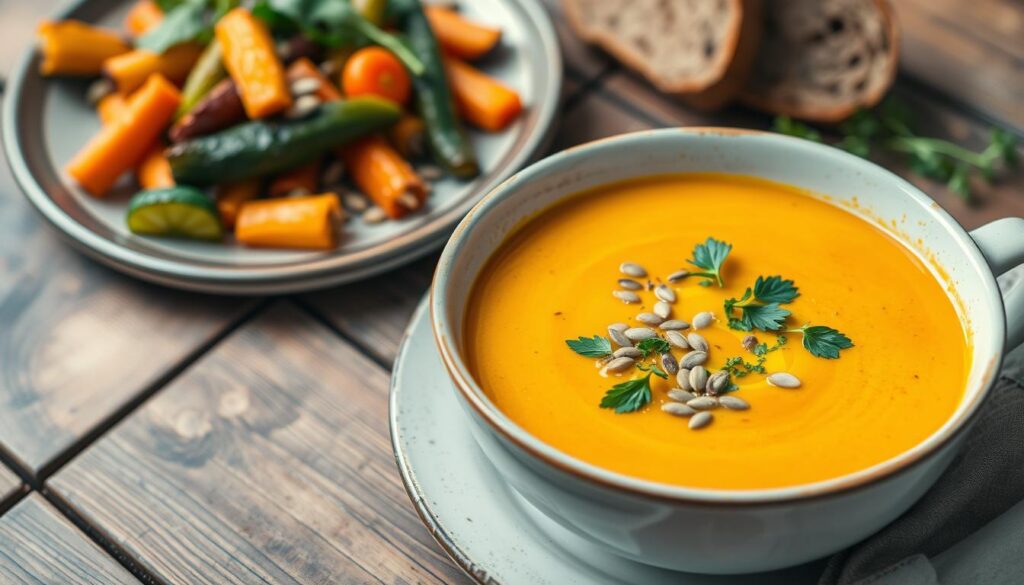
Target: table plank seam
(915, 84)
(586, 87)
(11, 500)
(358, 345)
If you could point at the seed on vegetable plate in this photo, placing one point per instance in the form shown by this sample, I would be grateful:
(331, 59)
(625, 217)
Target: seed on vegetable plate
(697, 342)
(409, 201)
(430, 172)
(665, 293)
(703, 319)
(302, 107)
(783, 380)
(733, 403)
(662, 309)
(620, 364)
(632, 269)
(694, 358)
(630, 352)
(717, 382)
(639, 333)
(626, 296)
(630, 284)
(374, 215)
(669, 364)
(678, 275)
(98, 90)
(683, 379)
(304, 86)
(330, 68)
(749, 342)
(649, 318)
(680, 395)
(674, 325)
(702, 403)
(698, 378)
(354, 201)
(700, 420)
(618, 335)
(298, 192)
(676, 339)
(677, 409)
(333, 173)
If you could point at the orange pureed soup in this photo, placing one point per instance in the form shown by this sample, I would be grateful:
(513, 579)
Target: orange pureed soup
(553, 279)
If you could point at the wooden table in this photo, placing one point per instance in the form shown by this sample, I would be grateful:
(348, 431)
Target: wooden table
(159, 436)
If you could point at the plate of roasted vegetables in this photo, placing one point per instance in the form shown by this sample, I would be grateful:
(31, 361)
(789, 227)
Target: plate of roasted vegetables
(267, 146)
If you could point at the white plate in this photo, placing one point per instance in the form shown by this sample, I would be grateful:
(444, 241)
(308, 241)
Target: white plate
(486, 528)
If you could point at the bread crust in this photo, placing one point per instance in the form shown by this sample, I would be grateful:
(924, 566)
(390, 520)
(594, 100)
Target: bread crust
(719, 87)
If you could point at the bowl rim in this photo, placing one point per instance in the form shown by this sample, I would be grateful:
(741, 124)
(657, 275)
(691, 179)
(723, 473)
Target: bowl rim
(473, 395)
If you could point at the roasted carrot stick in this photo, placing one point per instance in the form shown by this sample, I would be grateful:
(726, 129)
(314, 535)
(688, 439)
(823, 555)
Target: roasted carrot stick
(482, 100)
(408, 135)
(143, 16)
(302, 180)
(154, 172)
(304, 68)
(121, 145)
(294, 222)
(111, 107)
(230, 198)
(459, 36)
(71, 47)
(384, 176)
(251, 59)
(131, 70)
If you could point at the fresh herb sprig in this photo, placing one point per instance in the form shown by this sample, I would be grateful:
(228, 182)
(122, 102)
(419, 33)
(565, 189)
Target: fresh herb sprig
(759, 306)
(628, 396)
(821, 341)
(888, 127)
(592, 347)
(741, 368)
(653, 346)
(709, 257)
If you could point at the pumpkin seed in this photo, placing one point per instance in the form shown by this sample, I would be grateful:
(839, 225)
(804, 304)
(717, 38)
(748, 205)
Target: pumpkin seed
(678, 275)
(669, 364)
(374, 215)
(639, 333)
(620, 364)
(430, 172)
(303, 106)
(617, 331)
(698, 378)
(694, 358)
(718, 382)
(783, 380)
(632, 269)
(674, 325)
(409, 201)
(354, 201)
(630, 284)
(304, 86)
(662, 309)
(298, 192)
(702, 403)
(700, 420)
(749, 342)
(683, 379)
(630, 352)
(677, 409)
(733, 403)
(676, 339)
(98, 90)
(618, 326)
(703, 320)
(626, 296)
(680, 395)
(649, 318)
(665, 293)
(697, 342)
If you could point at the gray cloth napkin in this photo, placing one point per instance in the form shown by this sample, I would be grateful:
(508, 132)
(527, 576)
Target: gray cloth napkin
(957, 533)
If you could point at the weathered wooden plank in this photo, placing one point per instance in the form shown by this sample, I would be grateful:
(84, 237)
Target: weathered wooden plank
(10, 485)
(79, 341)
(268, 461)
(596, 116)
(972, 51)
(38, 545)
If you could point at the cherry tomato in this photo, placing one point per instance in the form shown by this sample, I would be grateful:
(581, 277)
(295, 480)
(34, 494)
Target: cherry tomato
(376, 71)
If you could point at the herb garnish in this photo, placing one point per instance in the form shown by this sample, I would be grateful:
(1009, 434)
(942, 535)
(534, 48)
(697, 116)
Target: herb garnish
(824, 342)
(629, 396)
(740, 368)
(654, 369)
(759, 307)
(654, 345)
(709, 257)
(596, 347)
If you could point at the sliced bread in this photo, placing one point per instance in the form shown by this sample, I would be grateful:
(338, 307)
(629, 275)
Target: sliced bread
(701, 50)
(822, 60)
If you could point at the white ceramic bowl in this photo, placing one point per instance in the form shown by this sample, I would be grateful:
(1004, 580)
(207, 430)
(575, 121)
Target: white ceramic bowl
(729, 531)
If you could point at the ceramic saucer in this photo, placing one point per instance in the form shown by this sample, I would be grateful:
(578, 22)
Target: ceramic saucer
(485, 527)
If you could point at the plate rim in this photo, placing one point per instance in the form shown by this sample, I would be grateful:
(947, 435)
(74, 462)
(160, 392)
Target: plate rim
(301, 276)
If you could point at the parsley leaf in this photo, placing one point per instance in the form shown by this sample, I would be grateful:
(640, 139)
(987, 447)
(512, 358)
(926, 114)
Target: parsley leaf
(654, 369)
(709, 257)
(768, 317)
(759, 306)
(629, 396)
(824, 342)
(653, 345)
(774, 289)
(596, 347)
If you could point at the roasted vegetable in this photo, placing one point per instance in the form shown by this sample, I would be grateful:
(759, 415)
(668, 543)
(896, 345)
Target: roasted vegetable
(232, 196)
(295, 222)
(302, 180)
(207, 73)
(177, 212)
(111, 107)
(409, 136)
(482, 100)
(71, 47)
(375, 71)
(459, 36)
(219, 109)
(304, 68)
(264, 148)
(154, 172)
(251, 59)
(121, 144)
(384, 176)
(143, 17)
(434, 102)
(130, 70)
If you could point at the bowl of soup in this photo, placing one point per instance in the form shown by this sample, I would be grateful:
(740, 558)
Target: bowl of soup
(721, 351)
